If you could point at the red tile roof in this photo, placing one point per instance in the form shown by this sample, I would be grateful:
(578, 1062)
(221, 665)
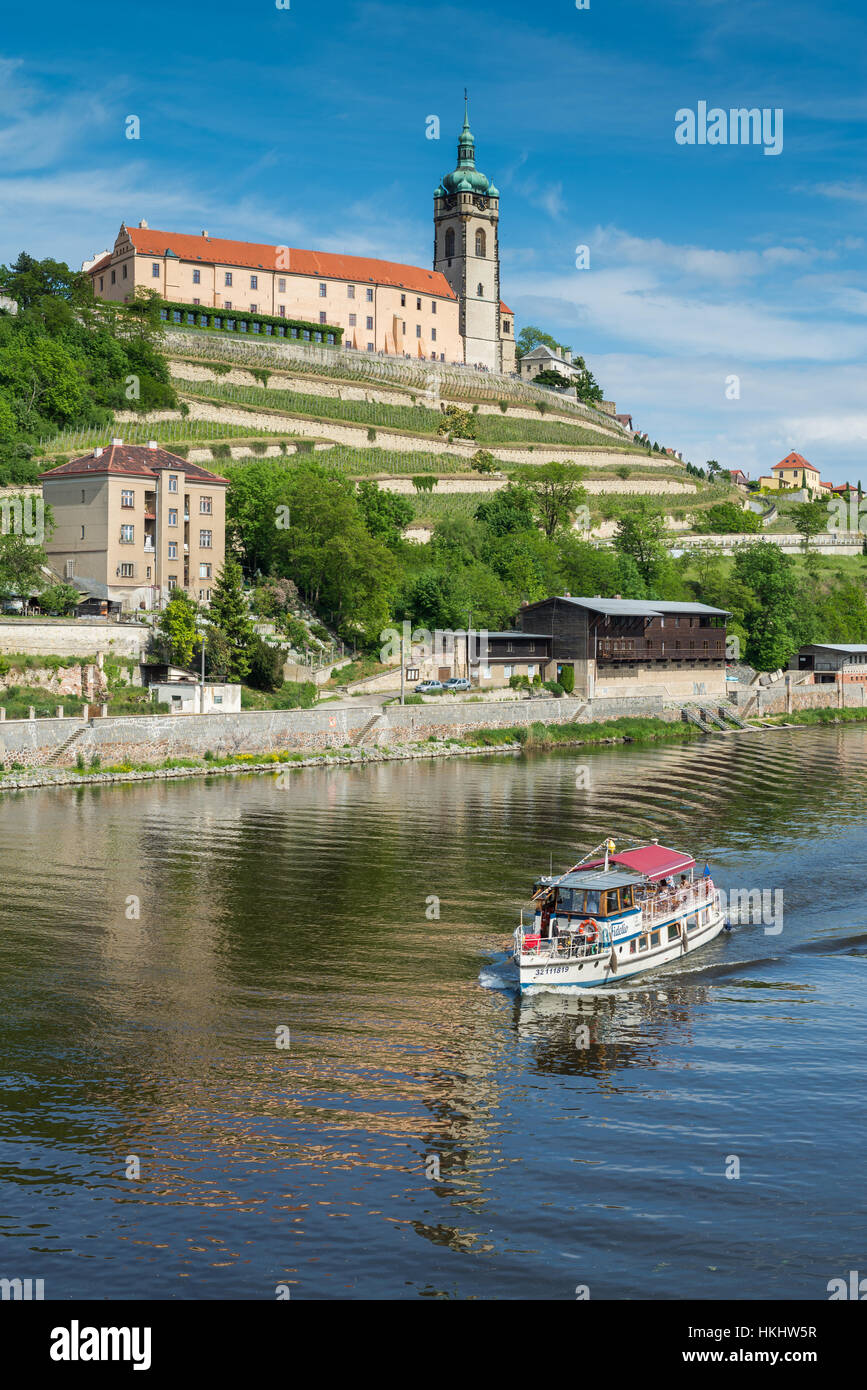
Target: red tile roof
(100, 264)
(259, 256)
(504, 308)
(134, 461)
(795, 461)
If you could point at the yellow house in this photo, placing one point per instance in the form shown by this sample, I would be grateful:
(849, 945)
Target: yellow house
(792, 472)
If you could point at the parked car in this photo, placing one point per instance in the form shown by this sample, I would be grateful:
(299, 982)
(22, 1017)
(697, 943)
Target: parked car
(13, 605)
(429, 687)
(457, 683)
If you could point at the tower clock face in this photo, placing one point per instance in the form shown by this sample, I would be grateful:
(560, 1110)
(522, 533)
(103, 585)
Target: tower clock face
(480, 203)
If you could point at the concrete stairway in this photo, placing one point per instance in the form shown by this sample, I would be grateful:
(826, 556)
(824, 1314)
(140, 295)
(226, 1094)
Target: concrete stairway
(370, 725)
(729, 713)
(713, 719)
(691, 716)
(58, 753)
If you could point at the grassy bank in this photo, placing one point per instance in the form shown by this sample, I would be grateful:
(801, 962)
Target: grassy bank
(819, 716)
(539, 735)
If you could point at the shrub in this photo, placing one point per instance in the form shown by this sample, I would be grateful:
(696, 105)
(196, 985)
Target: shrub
(371, 434)
(555, 688)
(567, 679)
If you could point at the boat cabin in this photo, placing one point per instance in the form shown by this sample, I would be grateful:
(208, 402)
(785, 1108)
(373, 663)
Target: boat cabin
(610, 894)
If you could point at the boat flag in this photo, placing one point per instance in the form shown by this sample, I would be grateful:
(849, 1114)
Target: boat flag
(706, 873)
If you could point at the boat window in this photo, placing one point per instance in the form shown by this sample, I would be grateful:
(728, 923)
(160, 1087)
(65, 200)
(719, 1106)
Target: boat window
(654, 938)
(591, 902)
(643, 944)
(633, 945)
(565, 899)
(628, 897)
(611, 902)
(672, 931)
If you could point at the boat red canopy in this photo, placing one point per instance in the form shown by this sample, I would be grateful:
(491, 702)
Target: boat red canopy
(652, 861)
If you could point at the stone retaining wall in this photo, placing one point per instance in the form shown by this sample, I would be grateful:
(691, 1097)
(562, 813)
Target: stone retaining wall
(151, 737)
(71, 637)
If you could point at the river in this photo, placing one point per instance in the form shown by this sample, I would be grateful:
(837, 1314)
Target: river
(258, 1036)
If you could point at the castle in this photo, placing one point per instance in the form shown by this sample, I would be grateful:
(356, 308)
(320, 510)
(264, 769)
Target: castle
(452, 313)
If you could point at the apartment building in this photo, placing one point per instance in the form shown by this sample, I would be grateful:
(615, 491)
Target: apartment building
(133, 522)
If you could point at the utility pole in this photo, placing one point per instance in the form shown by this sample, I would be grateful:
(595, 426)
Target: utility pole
(469, 631)
(402, 665)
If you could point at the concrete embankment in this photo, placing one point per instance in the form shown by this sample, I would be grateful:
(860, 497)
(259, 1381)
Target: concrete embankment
(47, 746)
(154, 737)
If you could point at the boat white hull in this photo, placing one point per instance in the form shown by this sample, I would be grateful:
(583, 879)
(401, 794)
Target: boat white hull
(592, 972)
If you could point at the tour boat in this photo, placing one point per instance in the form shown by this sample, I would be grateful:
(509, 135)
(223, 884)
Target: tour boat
(606, 919)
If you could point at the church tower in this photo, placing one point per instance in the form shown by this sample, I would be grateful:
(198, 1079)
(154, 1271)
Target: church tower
(466, 250)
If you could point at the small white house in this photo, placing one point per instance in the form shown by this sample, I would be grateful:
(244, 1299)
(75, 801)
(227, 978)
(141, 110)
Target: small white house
(191, 697)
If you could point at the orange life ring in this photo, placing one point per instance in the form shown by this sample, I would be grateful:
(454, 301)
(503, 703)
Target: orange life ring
(589, 929)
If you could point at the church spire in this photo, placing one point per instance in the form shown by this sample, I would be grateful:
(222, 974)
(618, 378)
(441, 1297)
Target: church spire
(466, 143)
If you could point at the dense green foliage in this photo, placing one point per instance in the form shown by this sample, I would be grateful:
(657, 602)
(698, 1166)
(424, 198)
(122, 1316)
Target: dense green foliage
(68, 361)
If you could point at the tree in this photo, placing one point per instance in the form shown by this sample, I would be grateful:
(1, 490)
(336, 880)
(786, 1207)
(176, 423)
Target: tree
(552, 378)
(177, 627)
(483, 461)
(509, 509)
(770, 603)
(229, 613)
(556, 492)
(59, 600)
(21, 566)
(639, 536)
(726, 518)
(808, 519)
(530, 338)
(266, 665)
(386, 514)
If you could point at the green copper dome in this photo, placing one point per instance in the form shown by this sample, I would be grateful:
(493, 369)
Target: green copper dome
(466, 178)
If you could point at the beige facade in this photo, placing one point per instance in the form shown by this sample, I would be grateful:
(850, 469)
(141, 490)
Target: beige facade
(134, 522)
(380, 305)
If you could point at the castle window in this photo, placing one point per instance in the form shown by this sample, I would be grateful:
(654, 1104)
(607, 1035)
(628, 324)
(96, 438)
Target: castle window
(352, 320)
(155, 270)
(369, 324)
(480, 290)
(282, 311)
(125, 270)
(227, 278)
(369, 294)
(403, 301)
(433, 335)
(418, 304)
(281, 286)
(114, 276)
(254, 282)
(254, 308)
(350, 291)
(480, 243)
(505, 325)
(323, 290)
(418, 330)
(197, 277)
(101, 281)
(433, 306)
(450, 241)
(322, 316)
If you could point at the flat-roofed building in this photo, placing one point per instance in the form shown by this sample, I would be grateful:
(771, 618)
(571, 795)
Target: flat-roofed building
(132, 522)
(830, 663)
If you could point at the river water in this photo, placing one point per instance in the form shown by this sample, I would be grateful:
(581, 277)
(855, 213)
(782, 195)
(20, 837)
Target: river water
(425, 1133)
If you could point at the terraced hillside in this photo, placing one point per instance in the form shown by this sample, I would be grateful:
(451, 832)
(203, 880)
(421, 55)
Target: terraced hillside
(384, 419)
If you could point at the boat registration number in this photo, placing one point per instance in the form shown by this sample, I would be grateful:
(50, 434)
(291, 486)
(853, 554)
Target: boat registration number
(553, 970)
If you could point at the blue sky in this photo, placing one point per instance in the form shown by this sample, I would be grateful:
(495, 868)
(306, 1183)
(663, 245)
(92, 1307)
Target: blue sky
(307, 126)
